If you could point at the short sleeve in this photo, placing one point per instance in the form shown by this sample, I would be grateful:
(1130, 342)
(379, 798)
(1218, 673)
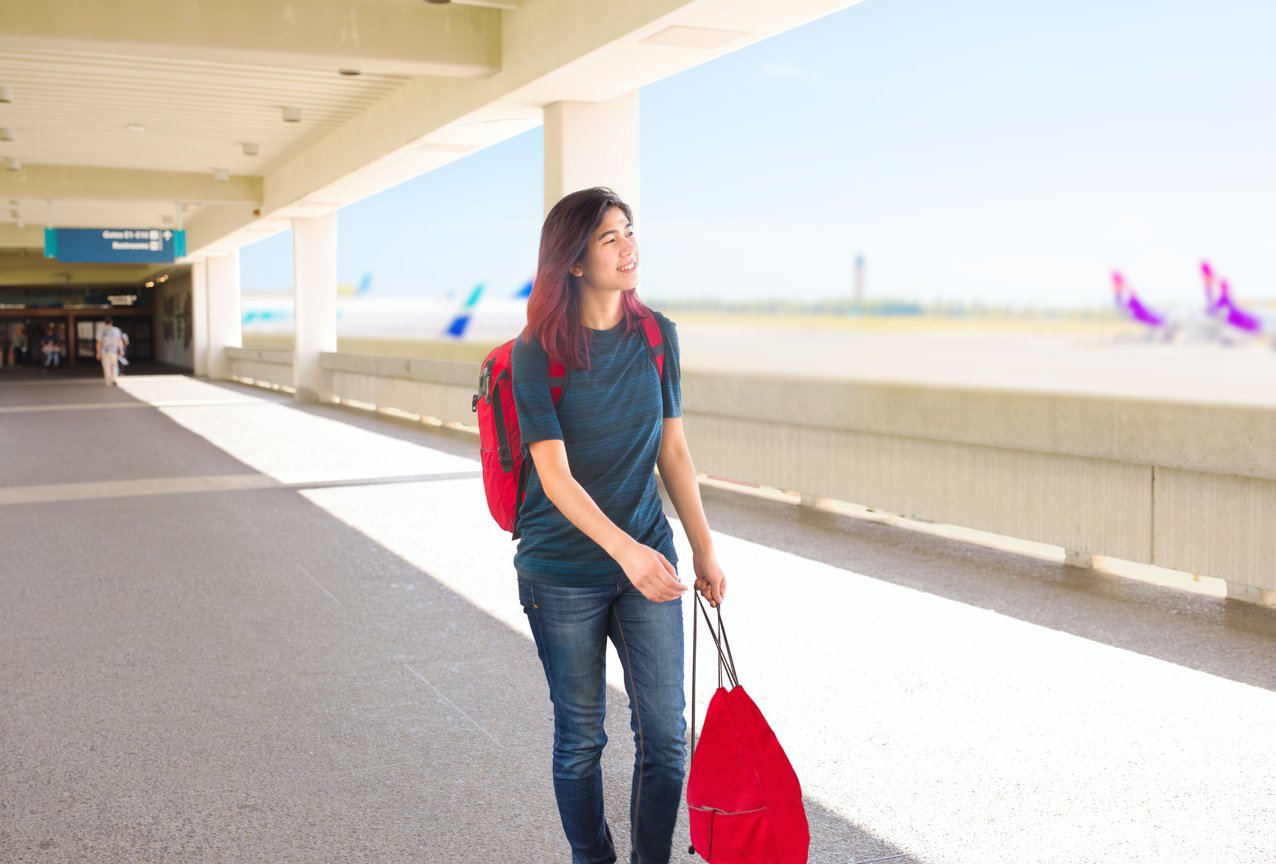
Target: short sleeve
(671, 381)
(537, 419)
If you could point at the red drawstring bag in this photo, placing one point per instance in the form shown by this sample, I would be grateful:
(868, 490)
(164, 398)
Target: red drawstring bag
(744, 801)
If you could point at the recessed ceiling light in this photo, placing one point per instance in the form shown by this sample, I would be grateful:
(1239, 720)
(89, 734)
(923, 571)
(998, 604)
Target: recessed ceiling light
(135, 127)
(221, 174)
(13, 163)
(251, 149)
(6, 134)
(6, 92)
(292, 114)
(349, 73)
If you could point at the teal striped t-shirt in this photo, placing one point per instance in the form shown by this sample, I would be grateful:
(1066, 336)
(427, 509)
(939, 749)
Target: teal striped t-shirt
(610, 419)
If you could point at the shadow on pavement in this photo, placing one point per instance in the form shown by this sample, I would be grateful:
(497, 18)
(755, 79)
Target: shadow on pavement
(240, 676)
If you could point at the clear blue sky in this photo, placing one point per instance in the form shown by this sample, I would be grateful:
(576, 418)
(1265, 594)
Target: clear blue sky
(989, 150)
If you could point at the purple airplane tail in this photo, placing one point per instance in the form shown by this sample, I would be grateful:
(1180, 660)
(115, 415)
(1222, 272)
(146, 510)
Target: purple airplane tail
(1144, 314)
(1236, 316)
(1210, 282)
(1129, 303)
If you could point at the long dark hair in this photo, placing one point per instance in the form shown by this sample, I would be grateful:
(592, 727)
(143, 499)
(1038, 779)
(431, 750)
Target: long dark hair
(553, 310)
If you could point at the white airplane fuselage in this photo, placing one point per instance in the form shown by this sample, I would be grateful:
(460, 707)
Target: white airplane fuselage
(395, 318)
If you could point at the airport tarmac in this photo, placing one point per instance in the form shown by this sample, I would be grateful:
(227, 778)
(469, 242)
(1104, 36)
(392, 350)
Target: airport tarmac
(1097, 357)
(1101, 359)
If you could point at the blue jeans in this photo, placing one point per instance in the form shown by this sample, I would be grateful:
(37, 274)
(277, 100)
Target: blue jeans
(571, 627)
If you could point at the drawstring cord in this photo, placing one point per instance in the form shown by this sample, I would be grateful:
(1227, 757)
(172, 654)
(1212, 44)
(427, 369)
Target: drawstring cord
(726, 665)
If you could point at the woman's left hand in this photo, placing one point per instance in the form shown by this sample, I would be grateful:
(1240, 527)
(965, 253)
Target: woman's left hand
(711, 582)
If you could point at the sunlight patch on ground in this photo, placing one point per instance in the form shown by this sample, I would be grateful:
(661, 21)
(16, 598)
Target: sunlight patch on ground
(288, 444)
(958, 733)
(918, 715)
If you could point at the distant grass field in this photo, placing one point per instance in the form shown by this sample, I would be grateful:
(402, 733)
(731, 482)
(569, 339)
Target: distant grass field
(472, 351)
(1074, 354)
(432, 348)
(909, 323)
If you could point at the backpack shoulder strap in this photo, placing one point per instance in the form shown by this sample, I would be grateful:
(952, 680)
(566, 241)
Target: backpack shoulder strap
(655, 342)
(651, 332)
(557, 380)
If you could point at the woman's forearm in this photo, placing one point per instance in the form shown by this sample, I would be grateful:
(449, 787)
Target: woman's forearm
(678, 473)
(648, 570)
(565, 492)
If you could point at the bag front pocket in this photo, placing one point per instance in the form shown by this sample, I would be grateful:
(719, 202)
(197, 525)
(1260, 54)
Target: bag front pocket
(744, 837)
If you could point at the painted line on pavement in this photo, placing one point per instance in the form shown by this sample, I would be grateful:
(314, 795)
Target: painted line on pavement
(60, 492)
(455, 706)
(79, 406)
(319, 584)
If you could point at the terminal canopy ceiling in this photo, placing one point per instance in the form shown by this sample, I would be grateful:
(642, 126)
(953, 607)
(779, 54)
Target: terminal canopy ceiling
(228, 118)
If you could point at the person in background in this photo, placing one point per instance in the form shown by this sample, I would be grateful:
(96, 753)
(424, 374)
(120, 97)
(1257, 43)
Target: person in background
(110, 345)
(20, 344)
(51, 349)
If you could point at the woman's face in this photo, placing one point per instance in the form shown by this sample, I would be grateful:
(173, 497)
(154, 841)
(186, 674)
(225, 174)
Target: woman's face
(610, 263)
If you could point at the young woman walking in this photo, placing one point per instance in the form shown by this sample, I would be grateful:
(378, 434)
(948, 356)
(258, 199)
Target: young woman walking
(596, 559)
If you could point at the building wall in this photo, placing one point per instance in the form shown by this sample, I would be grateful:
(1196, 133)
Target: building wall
(173, 315)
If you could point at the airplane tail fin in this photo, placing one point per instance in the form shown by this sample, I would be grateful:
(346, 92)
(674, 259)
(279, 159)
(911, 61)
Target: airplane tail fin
(1236, 316)
(1118, 287)
(456, 329)
(1210, 282)
(1129, 303)
(525, 291)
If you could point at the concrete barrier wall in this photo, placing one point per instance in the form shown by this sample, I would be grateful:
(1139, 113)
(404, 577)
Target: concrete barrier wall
(1218, 525)
(438, 389)
(1190, 486)
(261, 366)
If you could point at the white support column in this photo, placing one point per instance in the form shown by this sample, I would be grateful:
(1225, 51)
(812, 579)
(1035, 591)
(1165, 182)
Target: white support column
(592, 144)
(225, 329)
(314, 267)
(199, 316)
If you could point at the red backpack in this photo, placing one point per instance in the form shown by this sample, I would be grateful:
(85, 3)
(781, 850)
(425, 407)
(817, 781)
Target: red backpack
(505, 464)
(744, 801)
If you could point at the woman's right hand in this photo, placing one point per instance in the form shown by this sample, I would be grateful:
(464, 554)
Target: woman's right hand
(651, 573)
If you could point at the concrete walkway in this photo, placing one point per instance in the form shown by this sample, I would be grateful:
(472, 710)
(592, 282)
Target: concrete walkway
(236, 630)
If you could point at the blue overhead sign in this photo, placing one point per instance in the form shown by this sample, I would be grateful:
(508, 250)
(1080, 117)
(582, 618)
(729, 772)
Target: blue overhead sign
(114, 245)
